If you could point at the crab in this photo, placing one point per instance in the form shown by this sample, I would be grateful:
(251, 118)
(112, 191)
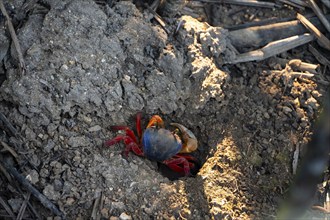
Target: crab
(159, 144)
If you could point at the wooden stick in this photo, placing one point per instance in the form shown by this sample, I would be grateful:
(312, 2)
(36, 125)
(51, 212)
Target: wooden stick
(23, 181)
(158, 19)
(8, 125)
(303, 66)
(7, 208)
(295, 74)
(292, 4)
(9, 149)
(253, 3)
(15, 39)
(325, 41)
(300, 2)
(319, 14)
(23, 207)
(273, 48)
(261, 35)
(326, 3)
(322, 59)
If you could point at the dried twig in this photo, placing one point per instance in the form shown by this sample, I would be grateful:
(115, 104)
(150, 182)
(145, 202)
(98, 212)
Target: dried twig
(23, 181)
(9, 149)
(303, 66)
(322, 59)
(9, 126)
(261, 35)
(319, 14)
(273, 48)
(325, 41)
(253, 3)
(326, 3)
(295, 160)
(7, 208)
(23, 207)
(300, 5)
(96, 208)
(14, 37)
(158, 19)
(294, 74)
(321, 209)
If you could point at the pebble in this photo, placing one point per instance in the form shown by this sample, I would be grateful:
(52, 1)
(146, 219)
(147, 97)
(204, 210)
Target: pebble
(95, 128)
(50, 193)
(312, 102)
(316, 94)
(69, 201)
(58, 185)
(124, 216)
(105, 213)
(266, 115)
(287, 109)
(33, 177)
(300, 113)
(15, 204)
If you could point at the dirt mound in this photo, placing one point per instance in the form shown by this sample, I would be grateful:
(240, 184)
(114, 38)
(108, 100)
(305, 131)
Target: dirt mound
(90, 67)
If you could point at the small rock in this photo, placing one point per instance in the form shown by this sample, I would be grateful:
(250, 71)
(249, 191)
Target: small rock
(95, 128)
(266, 115)
(50, 193)
(312, 102)
(316, 94)
(287, 109)
(105, 213)
(58, 185)
(118, 205)
(50, 145)
(80, 141)
(69, 201)
(124, 216)
(113, 218)
(15, 204)
(241, 111)
(296, 102)
(33, 177)
(300, 113)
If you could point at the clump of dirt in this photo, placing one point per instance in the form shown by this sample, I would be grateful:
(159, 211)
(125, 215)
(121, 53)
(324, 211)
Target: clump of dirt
(91, 67)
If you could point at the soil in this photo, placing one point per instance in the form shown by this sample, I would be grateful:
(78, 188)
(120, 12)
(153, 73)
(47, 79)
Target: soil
(91, 66)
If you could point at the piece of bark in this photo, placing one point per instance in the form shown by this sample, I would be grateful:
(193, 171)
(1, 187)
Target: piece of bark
(324, 41)
(326, 3)
(294, 4)
(24, 182)
(303, 66)
(13, 35)
(319, 14)
(261, 35)
(322, 59)
(253, 3)
(273, 48)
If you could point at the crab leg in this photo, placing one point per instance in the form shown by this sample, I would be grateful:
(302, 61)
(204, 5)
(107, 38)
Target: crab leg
(174, 165)
(128, 131)
(187, 156)
(138, 125)
(130, 145)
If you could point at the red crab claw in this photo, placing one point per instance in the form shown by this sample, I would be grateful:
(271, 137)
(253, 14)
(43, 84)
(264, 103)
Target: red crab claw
(190, 143)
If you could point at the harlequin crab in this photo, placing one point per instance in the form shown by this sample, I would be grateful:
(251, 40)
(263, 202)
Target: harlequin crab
(159, 144)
